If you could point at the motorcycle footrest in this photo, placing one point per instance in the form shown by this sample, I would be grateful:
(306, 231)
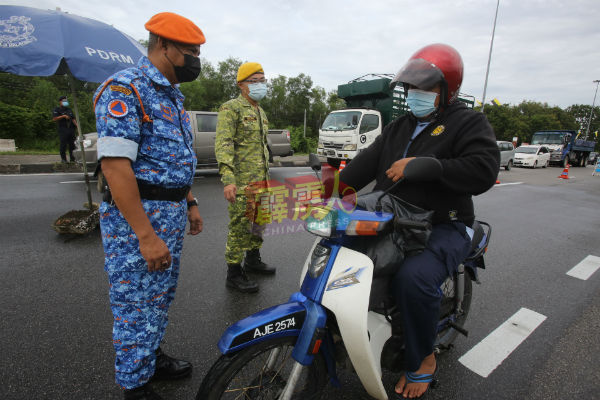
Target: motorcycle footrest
(459, 329)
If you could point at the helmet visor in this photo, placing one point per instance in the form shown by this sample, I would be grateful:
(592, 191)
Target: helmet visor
(419, 73)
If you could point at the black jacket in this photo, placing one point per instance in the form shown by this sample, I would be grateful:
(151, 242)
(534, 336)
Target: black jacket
(464, 142)
(65, 126)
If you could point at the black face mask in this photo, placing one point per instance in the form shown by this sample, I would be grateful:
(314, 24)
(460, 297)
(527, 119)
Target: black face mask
(190, 70)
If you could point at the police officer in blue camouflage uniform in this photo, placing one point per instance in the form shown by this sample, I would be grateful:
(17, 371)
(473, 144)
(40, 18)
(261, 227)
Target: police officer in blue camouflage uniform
(147, 157)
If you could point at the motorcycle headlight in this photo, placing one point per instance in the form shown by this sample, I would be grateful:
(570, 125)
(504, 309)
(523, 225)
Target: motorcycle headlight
(322, 221)
(349, 147)
(318, 260)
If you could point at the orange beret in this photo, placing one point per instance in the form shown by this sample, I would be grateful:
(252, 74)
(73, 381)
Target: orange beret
(176, 28)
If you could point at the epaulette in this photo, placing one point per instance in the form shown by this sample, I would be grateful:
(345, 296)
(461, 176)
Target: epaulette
(125, 77)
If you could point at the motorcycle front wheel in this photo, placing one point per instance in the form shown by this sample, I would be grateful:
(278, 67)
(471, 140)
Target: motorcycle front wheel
(260, 372)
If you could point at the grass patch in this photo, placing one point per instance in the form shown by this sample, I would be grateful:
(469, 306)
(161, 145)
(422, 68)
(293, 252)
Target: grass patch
(20, 152)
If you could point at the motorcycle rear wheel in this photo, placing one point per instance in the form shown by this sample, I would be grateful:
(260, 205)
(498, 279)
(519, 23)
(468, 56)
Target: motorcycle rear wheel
(243, 375)
(448, 334)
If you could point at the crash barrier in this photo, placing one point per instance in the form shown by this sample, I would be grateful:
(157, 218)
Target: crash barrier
(7, 145)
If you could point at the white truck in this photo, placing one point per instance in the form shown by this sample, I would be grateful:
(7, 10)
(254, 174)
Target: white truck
(371, 106)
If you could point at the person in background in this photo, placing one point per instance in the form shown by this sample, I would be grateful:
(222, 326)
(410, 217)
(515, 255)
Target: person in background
(66, 124)
(243, 157)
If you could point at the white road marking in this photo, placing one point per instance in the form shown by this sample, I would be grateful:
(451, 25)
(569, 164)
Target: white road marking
(44, 174)
(91, 181)
(78, 181)
(488, 354)
(585, 268)
(510, 183)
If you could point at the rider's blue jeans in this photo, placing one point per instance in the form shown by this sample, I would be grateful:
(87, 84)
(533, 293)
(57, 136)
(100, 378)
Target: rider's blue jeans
(416, 288)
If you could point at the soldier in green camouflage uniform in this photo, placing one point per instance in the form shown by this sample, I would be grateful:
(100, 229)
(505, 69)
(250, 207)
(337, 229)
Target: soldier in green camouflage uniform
(243, 157)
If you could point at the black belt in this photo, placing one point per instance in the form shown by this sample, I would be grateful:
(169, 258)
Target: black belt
(155, 192)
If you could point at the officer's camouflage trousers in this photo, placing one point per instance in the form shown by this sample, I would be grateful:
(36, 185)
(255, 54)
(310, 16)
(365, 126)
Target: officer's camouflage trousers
(240, 237)
(140, 299)
(140, 303)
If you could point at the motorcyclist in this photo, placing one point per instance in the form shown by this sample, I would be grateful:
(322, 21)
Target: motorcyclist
(463, 141)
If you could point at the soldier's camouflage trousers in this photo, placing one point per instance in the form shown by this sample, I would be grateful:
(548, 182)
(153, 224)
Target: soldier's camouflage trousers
(140, 299)
(240, 237)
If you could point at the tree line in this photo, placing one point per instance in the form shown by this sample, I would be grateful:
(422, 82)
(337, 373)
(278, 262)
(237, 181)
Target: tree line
(524, 119)
(26, 105)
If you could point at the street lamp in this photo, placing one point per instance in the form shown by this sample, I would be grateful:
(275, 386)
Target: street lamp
(592, 110)
(487, 72)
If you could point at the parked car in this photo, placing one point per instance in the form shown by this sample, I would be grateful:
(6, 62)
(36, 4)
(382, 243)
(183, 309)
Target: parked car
(532, 156)
(279, 143)
(507, 154)
(204, 125)
(593, 158)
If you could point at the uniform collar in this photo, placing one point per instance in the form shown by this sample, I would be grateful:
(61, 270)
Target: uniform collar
(246, 103)
(156, 76)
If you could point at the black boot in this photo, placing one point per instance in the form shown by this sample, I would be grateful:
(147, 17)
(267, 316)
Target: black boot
(237, 279)
(141, 393)
(169, 368)
(253, 263)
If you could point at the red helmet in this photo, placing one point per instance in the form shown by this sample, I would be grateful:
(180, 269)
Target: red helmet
(433, 64)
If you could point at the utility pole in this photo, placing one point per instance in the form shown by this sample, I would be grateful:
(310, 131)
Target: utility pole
(592, 110)
(487, 72)
(305, 123)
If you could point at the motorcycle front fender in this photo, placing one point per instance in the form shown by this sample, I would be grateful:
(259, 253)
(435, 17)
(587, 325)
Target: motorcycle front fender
(299, 317)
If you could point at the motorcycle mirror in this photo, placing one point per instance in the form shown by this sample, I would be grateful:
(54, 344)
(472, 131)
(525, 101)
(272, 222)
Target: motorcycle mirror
(314, 162)
(423, 169)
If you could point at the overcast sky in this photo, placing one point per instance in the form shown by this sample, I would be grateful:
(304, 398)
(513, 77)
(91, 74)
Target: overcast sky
(545, 51)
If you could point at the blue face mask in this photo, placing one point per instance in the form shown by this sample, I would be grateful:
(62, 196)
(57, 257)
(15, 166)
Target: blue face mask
(421, 102)
(65, 104)
(257, 91)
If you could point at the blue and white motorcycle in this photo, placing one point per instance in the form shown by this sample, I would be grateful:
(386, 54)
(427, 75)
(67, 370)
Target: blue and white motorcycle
(292, 350)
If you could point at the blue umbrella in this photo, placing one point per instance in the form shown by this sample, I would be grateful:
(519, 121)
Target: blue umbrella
(36, 42)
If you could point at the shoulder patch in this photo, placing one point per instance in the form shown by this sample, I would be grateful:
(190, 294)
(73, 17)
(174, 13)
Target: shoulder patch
(117, 108)
(122, 89)
(184, 116)
(167, 113)
(438, 130)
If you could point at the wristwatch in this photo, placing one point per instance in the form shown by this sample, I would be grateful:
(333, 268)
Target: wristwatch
(192, 203)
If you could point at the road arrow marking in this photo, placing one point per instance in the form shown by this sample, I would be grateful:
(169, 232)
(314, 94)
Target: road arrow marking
(585, 268)
(488, 354)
